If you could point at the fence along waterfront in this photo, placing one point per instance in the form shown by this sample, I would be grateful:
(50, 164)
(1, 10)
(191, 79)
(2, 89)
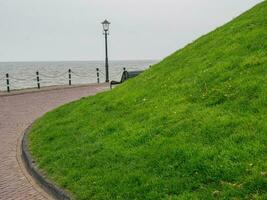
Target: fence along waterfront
(38, 78)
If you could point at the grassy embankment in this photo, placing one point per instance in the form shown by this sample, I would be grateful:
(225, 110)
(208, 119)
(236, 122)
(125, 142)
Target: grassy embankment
(192, 127)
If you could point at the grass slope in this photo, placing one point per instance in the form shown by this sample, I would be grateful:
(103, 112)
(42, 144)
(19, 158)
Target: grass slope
(192, 127)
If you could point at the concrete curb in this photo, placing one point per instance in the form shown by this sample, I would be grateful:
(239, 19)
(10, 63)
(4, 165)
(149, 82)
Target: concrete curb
(30, 166)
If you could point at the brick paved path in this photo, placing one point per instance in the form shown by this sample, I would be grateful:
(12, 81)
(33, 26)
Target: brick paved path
(17, 112)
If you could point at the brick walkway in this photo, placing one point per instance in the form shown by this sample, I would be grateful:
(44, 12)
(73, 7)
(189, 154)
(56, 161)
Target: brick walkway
(17, 112)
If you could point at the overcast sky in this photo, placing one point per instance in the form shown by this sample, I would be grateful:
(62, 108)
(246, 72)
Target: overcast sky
(51, 30)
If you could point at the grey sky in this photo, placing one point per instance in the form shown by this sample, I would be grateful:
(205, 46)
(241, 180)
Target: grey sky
(34, 30)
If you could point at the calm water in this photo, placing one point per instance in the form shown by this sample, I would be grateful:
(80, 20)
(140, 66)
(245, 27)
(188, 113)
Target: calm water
(23, 74)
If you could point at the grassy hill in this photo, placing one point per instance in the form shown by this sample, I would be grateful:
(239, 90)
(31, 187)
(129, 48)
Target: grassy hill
(192, 127)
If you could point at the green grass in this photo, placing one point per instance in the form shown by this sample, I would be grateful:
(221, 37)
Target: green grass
(192, 127)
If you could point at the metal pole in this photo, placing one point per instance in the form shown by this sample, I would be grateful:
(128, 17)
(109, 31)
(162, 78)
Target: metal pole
(69, 76)
(38, 79)
(106, 44)
(7, 83)
(97, 75)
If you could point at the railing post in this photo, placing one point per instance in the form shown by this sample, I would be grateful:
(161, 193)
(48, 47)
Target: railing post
(38, 80)
(97, 75)
(69, 76)
(7, 82)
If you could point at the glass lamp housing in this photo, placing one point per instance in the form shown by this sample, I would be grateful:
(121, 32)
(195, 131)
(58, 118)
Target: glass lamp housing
(106, 24)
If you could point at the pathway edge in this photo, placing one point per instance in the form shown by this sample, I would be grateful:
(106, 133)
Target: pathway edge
(25, 173)
(33, 171)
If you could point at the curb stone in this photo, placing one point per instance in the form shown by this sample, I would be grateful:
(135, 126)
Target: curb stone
(30, 166)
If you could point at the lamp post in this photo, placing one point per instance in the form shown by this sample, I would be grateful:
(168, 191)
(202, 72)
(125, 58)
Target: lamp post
(106, 24)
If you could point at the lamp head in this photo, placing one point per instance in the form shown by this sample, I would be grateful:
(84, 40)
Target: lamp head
(105, 24)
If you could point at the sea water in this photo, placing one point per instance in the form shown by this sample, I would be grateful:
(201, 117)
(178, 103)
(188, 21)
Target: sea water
(23, 74)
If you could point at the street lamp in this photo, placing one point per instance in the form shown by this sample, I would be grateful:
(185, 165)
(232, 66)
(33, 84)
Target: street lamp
(106, 24)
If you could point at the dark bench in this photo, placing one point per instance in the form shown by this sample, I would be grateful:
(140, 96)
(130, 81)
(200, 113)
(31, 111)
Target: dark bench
(125, 76)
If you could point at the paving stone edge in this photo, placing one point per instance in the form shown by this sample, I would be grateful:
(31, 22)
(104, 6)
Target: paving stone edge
(30, 166)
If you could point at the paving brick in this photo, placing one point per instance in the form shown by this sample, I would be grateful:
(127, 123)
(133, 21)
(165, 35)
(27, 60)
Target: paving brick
(17, 112)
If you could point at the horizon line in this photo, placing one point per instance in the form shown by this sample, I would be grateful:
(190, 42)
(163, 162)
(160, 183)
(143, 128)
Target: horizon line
(80, 60)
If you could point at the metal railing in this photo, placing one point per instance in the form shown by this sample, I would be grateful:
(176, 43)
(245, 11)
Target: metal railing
(65, 78)
(68, 76)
